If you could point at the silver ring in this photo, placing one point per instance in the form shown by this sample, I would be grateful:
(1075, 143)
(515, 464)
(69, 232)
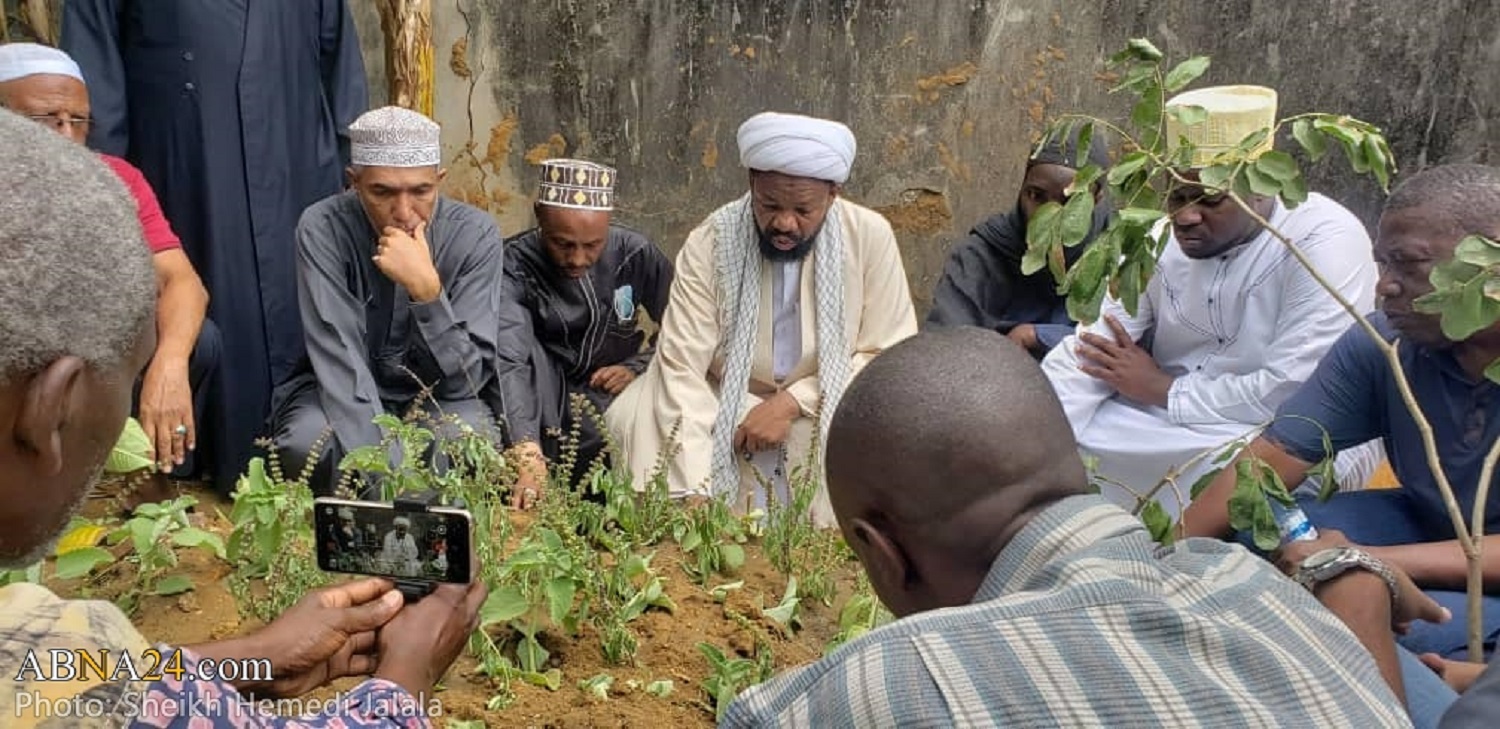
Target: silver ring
(180, 430)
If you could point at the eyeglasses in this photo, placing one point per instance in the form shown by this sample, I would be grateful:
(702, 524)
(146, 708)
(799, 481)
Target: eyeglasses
(62, 121)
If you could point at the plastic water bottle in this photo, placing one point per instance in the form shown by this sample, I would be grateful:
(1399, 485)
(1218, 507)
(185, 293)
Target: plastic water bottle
(1292, 522)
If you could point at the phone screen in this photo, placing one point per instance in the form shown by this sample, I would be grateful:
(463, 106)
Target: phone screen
(373, 538)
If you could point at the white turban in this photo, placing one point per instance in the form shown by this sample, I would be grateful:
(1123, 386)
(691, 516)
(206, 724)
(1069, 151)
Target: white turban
(402, 521)
(800, 146)
(19, 60)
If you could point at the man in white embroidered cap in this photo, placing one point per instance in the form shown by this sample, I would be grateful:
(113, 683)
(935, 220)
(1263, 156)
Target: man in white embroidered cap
(779, 298)
(399, 293)
(579, 292)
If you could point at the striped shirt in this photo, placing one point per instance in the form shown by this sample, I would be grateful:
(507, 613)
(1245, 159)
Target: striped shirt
(1083, 620)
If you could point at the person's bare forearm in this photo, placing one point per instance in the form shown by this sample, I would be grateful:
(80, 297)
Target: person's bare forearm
(1362, 600)
(180, 309)
(1442, 564)
(1208, 515)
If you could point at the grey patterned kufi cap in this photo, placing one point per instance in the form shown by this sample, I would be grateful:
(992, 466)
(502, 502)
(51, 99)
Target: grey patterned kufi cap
(394, 137)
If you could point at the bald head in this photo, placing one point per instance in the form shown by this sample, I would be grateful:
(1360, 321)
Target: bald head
(946, 443)
(958, 414)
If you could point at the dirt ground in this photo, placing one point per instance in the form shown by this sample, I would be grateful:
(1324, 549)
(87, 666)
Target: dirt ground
(668, 642)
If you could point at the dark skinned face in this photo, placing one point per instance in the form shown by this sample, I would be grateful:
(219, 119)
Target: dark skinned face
(1209, 225)
(574, 239)
(1044, 183)
(789, 212)
(1408, 243)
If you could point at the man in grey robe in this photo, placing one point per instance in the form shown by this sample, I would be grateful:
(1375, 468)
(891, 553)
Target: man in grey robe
(580, 293)
(235, 112)
(399, 290)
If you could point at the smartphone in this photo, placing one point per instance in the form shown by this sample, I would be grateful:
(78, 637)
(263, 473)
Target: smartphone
(374, 538)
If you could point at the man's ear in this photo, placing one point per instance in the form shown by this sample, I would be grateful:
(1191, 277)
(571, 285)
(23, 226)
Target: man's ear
(45, 406)
(835, 190)
(349, 176)
(442, 173)
(883, 559)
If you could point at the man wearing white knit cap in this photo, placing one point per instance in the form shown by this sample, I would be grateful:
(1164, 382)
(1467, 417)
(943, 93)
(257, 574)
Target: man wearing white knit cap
(173, 400)
(779, 298)
(399, 293)
(1231, 323)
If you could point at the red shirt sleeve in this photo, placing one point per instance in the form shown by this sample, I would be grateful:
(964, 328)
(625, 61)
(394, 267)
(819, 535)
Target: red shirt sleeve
(158, 232)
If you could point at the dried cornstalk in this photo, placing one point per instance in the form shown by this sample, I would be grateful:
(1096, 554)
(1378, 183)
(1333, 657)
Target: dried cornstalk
(39, 17)
(407, 25)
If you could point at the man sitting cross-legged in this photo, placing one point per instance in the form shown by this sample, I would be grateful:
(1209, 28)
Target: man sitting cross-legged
(400, 297)
(1025, 601)
(76, 313)
(1355, 397)
(1227, 327)
(577, 289)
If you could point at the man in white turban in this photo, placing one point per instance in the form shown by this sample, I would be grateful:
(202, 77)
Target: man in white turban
(780, 297)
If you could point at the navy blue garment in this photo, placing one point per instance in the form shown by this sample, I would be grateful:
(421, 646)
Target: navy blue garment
(982, 283)
(234, 111)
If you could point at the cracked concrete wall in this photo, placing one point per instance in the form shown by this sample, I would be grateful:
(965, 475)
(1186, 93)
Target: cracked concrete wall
(945, 96)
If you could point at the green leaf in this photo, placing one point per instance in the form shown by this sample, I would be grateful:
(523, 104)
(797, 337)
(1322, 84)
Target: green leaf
(1043, 232)
(1294, 192)
(1265, 530)
(1127, 166)
(1261, 183)
(1144, 49)
(1131, 285)
(503, 605)
(132, 451)
(1215, 177)
(1245, 496)
(1278, 165)
(1137, 79)
(173, 585)
(1470, 311)
(1312, 141)
(1084, 180)
(1158, 523)
(531, 655)
(1204, 482)
(1492, 372)
(1188, 115)
(1478, 251)
(550, 679)
(660, 689)
(1185, 73)
(195, 537)
(691, 541)
(733, 556)
(79, 562)
(1379, 158)
(1146, 116)
(560, 591)
(1085, 144)
(1140, 217)
(1077, 219)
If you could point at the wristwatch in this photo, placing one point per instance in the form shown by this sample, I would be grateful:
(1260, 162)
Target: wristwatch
(1323, 566)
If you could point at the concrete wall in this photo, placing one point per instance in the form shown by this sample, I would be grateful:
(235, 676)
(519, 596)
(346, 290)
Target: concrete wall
(945, 96)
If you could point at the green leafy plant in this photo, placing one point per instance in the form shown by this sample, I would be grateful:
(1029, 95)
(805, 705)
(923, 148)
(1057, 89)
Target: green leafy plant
(155, 531)
(1123, 256)
(728, 677)
(272, 540)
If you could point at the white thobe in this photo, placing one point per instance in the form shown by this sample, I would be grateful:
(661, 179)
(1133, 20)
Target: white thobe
(678, 393)
(1239, 332)
(786, 349)
(401, 552)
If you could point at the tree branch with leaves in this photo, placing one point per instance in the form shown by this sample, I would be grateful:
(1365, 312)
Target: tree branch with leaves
(1124, 257)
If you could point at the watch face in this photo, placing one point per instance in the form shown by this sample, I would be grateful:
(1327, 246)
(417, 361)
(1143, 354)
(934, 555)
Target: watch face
(1323, 558)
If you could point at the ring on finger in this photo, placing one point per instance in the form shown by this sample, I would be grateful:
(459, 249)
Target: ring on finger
(180, 430)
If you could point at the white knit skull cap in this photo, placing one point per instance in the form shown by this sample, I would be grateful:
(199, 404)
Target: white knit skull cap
(395, 137)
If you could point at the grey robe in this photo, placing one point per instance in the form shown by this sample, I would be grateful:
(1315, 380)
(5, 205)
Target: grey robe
(366, 340)
(557, 331)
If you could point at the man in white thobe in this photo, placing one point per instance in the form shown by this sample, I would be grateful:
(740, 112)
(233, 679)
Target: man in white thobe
(400, 549)
(779, 298)
(1227, 328)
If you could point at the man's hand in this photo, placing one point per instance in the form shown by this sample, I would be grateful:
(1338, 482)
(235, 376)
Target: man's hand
(420, 643)
(531, 475)
(407, 260)
(1024, 335)
(1124, 365)
(1459, 675)
(767, 425)
(1411, 603)
(611, 379)
(328, 634)
(167, 404)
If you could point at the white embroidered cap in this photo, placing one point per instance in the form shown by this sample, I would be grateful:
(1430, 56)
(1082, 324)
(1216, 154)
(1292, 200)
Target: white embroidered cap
(395, 137)
(1234, 113)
